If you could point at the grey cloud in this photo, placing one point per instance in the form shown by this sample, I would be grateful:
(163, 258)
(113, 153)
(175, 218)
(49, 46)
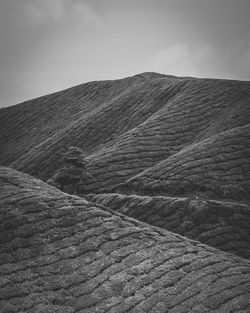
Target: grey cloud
(48, 45)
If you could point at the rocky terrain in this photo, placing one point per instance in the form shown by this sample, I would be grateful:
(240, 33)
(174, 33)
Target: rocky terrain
(161, 221)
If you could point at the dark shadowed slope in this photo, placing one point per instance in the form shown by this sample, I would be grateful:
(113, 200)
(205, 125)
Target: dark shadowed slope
(128, 126)
(223, 225)
(60, 253)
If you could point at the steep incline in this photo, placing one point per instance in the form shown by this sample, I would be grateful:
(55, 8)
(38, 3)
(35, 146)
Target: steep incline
(60, 253)
(128, 126)
(223, 225)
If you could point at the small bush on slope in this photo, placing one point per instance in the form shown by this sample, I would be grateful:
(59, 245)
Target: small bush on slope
(73, 175)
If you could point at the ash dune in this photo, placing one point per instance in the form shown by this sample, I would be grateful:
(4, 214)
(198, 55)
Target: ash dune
(160, 224)
(61, 253)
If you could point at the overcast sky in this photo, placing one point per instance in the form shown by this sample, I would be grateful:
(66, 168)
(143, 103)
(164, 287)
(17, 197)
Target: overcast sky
(49, 45)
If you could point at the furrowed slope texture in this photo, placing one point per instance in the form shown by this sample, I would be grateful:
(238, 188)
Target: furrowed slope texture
(223, 225)
(150, 118)
(217, 166)
(60, 253)
(89, 106)
(105, 110)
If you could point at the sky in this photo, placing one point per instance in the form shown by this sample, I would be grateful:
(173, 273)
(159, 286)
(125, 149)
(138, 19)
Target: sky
(50, 45)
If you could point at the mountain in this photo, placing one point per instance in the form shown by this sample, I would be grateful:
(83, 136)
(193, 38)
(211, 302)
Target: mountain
(149, 134)
(220, 224)
(61, 253)
(161, 221)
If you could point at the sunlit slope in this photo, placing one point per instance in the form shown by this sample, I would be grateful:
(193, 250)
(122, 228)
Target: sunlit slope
(60, 253)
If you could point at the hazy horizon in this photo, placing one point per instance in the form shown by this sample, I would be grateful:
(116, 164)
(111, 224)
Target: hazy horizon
(47, 46)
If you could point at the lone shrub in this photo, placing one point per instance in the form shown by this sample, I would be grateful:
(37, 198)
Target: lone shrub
(73, 175)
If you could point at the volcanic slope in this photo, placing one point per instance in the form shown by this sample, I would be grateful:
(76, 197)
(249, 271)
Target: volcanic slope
(61, 253)
(149, 131)
(223, 225)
